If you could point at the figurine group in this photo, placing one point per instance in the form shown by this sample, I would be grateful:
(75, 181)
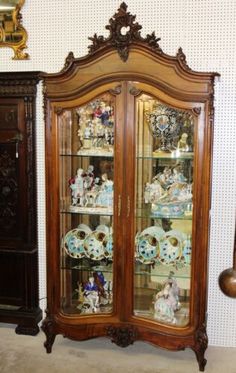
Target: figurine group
(96, 128)
(97, 291)
(167, 300)
(169, 193)
(88, 191)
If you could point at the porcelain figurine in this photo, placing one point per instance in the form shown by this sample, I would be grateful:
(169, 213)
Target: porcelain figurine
(105, 195)
(96, 134)
(167, 301)
(182, 143)
(81, 184)
(97, 292)
(77, 188)
(91, 295)
(169, 193)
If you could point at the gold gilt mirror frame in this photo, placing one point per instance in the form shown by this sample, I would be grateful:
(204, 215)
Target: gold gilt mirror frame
(12, 33)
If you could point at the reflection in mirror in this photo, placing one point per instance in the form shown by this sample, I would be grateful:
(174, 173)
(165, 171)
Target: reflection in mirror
(12, 33)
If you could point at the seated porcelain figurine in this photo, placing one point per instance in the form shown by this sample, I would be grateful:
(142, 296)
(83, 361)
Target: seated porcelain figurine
(91, 295)
(167, 301)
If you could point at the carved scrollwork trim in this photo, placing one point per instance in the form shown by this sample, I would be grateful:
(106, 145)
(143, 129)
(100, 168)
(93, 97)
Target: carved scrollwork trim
(122, 336)
(18, 87)
(197, 110)
(134, 91)
(68, 61)
(123, 31)
(58, 110)
(115, 91)
(182, 59)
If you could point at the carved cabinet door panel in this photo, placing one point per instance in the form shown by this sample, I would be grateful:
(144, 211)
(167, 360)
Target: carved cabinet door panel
(13, 182)
(18, 238)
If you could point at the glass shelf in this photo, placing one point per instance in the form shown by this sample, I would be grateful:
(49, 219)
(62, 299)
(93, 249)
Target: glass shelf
(144, 213)
(184, 156)
(160, 270)
(162, 275)
(87, 268)
(91, 213)
(97, 155)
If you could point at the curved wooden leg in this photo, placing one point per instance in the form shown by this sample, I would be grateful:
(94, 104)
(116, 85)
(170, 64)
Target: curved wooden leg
(48, 329)
(201, 359)
(201, 346)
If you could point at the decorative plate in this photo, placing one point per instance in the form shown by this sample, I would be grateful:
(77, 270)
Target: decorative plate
(108, 243)
(74, 243)
(94, 245)
(186, 251)
(170, 247)
(103, 228)
(147, 248)
(154, 231)
(85, 228)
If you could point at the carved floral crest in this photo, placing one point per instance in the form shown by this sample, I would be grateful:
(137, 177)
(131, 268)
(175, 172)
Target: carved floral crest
(123, 31)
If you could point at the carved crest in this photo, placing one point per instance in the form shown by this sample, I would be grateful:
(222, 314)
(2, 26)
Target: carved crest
(123, 31)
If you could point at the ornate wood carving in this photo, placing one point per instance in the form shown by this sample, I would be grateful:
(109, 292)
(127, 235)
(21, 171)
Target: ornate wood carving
(182, 59)
(201, 343)
(30, 121)
(123, 32)
(15, 85)
(122, 336)
(8, 191)
(116, 91)
(69, 60)
(134, 91)
(8, 116)
(196, 110)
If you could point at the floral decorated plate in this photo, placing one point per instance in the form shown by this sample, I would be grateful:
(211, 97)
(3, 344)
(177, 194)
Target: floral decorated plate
(108, 244)
(74, 243)
(94, 245)
(154, 231)
(147, 248)
(170, 247)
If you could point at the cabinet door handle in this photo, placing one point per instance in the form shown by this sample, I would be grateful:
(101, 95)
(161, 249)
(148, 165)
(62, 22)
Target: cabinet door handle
(119, 205)
(128, 206)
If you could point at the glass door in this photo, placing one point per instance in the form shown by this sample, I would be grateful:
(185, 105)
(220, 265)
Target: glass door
(163, 211)
(86, 168)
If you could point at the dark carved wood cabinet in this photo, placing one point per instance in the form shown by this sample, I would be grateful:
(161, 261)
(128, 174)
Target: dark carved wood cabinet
(19, 298)
(128, 152)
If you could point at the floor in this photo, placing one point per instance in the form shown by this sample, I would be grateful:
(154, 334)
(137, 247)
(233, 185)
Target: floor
(26, 354)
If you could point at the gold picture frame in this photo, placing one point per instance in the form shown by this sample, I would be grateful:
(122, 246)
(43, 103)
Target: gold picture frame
(12, 33)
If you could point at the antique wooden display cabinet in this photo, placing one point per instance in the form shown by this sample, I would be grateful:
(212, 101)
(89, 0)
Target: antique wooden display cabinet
(19, 296)
(128, 151)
